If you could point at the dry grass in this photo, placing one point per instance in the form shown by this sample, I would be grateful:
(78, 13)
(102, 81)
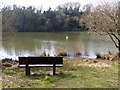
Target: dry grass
(76, 73)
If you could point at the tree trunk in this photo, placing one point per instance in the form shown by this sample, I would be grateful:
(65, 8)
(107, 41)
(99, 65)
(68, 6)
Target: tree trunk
(119, 50)
(118, 30)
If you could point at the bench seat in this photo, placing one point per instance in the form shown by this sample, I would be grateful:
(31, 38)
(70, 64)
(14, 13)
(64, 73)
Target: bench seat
(40, 65)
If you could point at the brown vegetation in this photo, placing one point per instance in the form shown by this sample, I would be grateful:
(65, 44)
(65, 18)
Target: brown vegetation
(8, 62)
(61, 51)
(110, 56)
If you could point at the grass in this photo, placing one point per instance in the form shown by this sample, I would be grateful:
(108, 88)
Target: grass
(74, 74)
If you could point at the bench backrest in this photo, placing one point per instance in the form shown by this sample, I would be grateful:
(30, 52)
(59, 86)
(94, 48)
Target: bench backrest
(40, 60)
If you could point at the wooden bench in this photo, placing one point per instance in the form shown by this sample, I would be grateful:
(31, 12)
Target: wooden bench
(31, 62)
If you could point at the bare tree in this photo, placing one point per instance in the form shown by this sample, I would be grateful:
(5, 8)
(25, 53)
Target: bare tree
(7, 17)
(104, 18)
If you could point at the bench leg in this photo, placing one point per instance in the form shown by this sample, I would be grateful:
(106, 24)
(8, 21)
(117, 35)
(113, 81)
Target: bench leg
(54, 69)
(27, 71)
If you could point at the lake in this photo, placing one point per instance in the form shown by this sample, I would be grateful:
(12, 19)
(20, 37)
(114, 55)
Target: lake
(36, 43)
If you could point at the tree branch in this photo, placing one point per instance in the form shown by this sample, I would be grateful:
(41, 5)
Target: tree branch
(114, 35)
(113, 40)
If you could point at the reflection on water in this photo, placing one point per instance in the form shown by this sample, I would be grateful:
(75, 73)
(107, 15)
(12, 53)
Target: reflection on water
(35, 44)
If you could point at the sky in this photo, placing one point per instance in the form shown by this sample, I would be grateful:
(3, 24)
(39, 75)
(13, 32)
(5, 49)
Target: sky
(48, 3)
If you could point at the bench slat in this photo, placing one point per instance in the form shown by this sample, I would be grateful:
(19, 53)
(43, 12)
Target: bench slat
(41, 65)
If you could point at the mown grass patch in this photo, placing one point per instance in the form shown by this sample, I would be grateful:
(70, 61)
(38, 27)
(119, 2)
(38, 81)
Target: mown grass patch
(73, 74)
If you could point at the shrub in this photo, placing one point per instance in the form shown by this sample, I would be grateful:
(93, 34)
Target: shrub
(62, 54)
(78, 54)
(99, 56)
(111, 57)
(7, 64)
(95, 61)
(7, 60)
(61, 51)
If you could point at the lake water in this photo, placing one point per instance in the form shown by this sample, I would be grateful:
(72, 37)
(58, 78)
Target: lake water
(36, 43)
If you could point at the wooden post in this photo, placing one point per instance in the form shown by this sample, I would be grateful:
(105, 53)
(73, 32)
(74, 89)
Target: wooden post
(54, 67)
(27, 69)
